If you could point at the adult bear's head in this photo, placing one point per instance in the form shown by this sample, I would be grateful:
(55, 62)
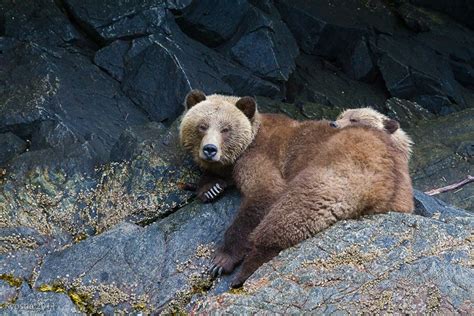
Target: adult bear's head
(217, 129)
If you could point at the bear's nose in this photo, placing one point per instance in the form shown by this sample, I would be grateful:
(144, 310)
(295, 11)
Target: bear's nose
(209, 151)
(333, 124)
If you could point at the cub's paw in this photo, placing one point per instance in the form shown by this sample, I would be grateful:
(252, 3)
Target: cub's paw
(222, 264)
(211, 191)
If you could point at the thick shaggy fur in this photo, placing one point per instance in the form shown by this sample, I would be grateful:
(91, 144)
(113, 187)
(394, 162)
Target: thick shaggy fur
(298, 178)
(371, 117)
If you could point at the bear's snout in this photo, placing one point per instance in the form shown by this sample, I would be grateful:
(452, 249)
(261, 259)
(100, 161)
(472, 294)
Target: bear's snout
(333, 124)
(209, 151)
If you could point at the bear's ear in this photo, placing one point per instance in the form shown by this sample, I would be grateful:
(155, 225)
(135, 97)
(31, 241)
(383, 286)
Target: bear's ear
(391, 125)
(248, 105)
(194, 97)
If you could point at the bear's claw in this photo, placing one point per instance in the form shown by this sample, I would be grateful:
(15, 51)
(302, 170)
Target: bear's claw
(213, 192)
(216, 271)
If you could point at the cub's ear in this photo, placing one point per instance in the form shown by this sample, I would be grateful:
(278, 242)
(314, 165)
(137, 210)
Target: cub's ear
(194, 97)
(391, 125)
(248, 105)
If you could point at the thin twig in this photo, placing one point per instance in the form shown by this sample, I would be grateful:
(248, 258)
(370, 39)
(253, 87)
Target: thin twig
(451, 187)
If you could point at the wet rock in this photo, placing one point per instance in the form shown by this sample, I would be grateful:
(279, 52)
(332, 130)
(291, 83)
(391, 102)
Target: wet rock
(265, 46)
(212, 23)
(11, 147)
(338, 32)
(109, 20)
(437, 160)
(412, 71)
(149, 268)
(317, 81)
(110, 58)
(406, 112)
(40, 21)
(57, 100)
(160, 70)
(394, 262)
(460, 10)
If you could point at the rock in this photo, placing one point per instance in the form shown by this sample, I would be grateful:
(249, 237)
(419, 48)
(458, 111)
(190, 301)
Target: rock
(160, 70)
(460, 10)
(11, 146)
(339, 32)
(141, 186)
(397, 263)
(210, 22)
(441, 157)
(8, 294)
(255, 38)
(39, 21)
(110, 58)
(43, 304)
(406, 112)
(57, 100)
(134, 268)
(316, 81)
(266, 46)
(108, 20)
(412, 71)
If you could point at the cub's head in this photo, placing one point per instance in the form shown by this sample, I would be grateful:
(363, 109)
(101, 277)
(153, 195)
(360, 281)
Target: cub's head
(216, 129)
(368, 117)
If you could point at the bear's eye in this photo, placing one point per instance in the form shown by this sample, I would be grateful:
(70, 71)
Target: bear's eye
(354, 120)
(225, 130)
(203, 127)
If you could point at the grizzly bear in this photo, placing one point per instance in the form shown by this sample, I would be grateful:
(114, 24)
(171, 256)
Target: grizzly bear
(296, 178)
(371, 117)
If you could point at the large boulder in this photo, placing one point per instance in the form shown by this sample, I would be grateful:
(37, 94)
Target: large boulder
(391, 263)
(57, 100)
(159, 267)
(212, 22)
(141, 185)
(252, 35)
(40, 21)
(159, 70)
(109, 20)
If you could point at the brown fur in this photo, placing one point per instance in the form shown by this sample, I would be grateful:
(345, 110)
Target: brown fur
(298, 178)
(373, 118)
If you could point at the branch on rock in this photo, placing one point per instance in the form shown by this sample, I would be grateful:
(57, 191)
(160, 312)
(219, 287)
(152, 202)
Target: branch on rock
(451, 187)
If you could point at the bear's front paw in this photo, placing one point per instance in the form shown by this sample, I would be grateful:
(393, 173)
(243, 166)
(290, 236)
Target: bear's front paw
(223, 264)
(211, 191)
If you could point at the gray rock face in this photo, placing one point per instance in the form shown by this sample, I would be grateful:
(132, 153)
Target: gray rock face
(130, 267)
(110, 20)
(212, 22)
(56, 100)
(394, 263)
(11, 146)
(449, 161)
(40, 21)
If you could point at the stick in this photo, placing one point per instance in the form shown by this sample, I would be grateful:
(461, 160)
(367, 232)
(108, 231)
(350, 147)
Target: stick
(451, 187)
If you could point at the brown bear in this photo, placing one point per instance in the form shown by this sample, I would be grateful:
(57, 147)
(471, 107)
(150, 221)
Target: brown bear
(295, 178)
(371, 117)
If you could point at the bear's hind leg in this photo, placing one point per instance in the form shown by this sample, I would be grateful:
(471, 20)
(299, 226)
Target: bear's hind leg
(312, 203)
